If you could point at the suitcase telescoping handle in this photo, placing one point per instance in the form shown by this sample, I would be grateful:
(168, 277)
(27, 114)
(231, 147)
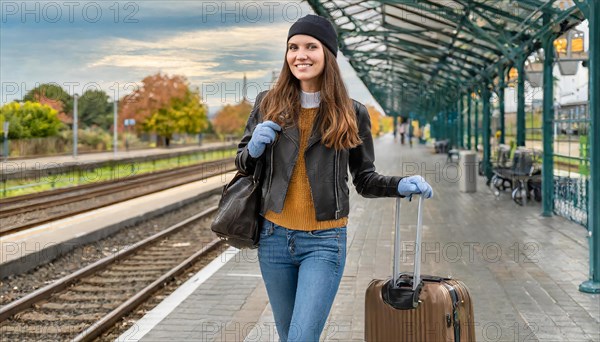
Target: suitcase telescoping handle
(417, 264)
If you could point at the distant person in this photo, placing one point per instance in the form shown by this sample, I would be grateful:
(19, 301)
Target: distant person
(402, 132)
(305, 204)
(411, 131)
(397, 131)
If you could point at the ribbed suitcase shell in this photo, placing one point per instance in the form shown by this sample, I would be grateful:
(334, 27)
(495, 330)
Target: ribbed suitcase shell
(433, 320)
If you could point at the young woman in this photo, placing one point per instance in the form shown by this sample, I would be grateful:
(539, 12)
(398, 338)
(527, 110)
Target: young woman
(308, 133)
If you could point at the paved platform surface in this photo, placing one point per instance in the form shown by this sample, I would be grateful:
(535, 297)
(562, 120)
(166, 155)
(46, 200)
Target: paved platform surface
(523, 270)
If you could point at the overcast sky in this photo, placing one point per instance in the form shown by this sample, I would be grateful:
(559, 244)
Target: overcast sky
(113, 45)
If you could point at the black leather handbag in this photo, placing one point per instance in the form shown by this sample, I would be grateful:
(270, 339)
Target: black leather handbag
(238, 220)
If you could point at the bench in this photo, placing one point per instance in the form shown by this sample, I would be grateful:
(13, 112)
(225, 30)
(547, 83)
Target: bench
(451, 154)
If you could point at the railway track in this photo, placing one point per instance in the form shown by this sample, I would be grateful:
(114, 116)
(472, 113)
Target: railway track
(27, 211)
(84, 304)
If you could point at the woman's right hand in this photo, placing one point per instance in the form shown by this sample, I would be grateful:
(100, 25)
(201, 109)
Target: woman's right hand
(263, 134)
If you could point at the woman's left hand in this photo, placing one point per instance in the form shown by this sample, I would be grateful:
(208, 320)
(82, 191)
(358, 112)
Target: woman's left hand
(414, 185)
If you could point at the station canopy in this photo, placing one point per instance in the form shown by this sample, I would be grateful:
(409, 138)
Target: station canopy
(408, 52)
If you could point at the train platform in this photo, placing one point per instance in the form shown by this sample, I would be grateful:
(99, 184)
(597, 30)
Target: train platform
(523, 270)
(25, 250)
(26, 165)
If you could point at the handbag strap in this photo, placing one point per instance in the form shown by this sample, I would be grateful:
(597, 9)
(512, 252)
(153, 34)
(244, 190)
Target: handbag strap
(258, 170)
(260, 165)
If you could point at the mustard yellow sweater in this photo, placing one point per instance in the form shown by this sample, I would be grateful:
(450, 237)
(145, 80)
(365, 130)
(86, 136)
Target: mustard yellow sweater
(298, 209)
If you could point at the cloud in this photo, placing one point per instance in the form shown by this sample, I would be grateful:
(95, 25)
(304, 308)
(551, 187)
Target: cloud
(211, 54)
(208, 45)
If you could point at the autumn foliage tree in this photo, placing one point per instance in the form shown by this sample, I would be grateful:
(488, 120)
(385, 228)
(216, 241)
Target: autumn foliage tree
(232, 118)
(375, 116)
(386, 124)
(183, 115)
(165, 105)
(54, 96)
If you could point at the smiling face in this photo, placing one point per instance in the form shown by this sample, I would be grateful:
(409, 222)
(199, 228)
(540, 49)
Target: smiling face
(306, 60)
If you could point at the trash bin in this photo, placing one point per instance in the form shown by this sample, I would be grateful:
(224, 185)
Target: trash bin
(468, 166)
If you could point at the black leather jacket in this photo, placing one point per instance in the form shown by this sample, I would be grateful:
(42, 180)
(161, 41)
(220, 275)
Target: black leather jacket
(327, 168)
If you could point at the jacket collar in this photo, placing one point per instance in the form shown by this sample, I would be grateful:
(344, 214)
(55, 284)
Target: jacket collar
(293, 134)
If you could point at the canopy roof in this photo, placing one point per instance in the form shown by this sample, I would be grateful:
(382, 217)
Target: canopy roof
(407, 52)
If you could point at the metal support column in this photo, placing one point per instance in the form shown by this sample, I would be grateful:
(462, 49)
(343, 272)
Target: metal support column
(456, 125)
(440, 126)
(75, 125)
(470, 99)
(547, 125)
(464, 122)
(460, 123)
(451, 126)
(487, 114)
(436, 127)
(454, 119)
(476, 128)
(501, 91)
(115, 126)
(447, 133)
(520, 64)
(592, 285)
(442, 120)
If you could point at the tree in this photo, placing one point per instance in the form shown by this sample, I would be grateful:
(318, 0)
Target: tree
(2, 120)
(156, 93)
(375, 116)
(190, 113)
(54, 96)
(182, 115)
(387, 124)
(95, 108)
(30, 120)
(232, 119)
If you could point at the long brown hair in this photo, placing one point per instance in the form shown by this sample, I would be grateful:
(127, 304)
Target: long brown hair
(338, 125)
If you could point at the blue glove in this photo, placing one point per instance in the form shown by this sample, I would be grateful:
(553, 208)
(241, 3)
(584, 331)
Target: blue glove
(263, 134)
(414, 185)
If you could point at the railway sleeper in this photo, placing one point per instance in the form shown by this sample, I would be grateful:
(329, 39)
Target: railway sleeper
(36, 317)
(76, 306)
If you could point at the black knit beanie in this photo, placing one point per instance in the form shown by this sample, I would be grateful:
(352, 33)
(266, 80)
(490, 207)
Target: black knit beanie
(317, 27)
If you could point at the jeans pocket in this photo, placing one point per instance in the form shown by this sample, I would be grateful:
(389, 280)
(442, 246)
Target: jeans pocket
(332, 233)
(267, 229)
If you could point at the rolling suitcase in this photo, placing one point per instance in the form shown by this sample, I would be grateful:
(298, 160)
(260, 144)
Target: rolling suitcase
(427, 310)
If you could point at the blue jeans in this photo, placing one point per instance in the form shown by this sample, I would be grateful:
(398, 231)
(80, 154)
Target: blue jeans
(302, 272)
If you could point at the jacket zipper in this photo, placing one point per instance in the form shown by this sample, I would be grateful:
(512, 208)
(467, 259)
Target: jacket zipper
(271, 166)
(335, 175)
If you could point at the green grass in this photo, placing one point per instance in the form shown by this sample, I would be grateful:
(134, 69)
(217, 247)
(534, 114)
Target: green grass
(580, 166)
(535, 136)
(123, 171)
